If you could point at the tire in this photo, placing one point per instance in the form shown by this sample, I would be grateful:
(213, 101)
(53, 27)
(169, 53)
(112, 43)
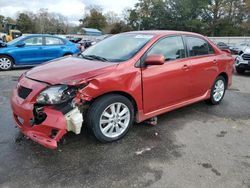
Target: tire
(239, 70)
(6, 63)
(113, 126)
(217, 98)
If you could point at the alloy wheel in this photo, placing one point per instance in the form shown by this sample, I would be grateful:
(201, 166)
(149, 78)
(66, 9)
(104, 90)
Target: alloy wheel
(219, 90)
(114, 120)
(5, 63)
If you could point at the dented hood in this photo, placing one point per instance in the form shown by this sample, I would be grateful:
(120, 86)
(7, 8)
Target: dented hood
(68, 69)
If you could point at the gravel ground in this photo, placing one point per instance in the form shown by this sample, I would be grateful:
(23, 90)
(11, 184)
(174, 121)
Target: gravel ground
(196, 146)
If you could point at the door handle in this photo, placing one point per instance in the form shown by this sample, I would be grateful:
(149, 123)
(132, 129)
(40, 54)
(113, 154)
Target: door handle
(215, 61)
(185, 67)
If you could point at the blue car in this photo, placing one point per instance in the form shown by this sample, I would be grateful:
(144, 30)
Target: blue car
(32, 50)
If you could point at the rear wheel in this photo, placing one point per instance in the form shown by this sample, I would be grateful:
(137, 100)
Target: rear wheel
(218, 90)
(240, 70)
(6, 63)
(110, 117)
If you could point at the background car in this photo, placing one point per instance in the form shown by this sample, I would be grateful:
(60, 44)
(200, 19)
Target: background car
(74, 39)
(85, 44)
(222, 45)
(242, 62)
(35, 49)
(239, 48)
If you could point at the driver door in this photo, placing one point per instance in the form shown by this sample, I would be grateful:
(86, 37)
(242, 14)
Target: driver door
(168, 84)
(32, 52)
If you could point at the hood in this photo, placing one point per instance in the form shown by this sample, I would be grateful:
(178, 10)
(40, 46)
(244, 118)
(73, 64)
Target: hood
(69, 69)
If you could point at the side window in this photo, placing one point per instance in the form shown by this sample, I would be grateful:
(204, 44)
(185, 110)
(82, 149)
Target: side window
(33, 41)
(53, 41)
(198, 46)
(171, 47)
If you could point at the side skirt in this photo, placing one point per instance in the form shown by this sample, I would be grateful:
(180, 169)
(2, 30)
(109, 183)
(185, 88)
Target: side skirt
(141, 116)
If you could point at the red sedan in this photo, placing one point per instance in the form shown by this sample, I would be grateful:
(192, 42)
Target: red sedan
(128, 77)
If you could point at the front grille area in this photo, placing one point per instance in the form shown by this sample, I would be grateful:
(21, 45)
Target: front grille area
(246, 57)
(23, 92)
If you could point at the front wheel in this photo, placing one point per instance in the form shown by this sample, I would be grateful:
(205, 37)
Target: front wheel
(6, 63)
(218, 90)
(110, 117)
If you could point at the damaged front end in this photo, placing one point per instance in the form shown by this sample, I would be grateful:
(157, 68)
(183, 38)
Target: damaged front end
(45, 113)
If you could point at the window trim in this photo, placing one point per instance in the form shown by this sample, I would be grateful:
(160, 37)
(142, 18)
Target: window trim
(187, 47)
(45, 44)
(143, 57)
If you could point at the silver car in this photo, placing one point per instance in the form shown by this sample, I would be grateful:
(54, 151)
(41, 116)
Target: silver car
(242, 62)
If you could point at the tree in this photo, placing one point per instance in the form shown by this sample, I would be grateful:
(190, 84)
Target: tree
(167, 14)
(25, 23)
(148, 14)
(1, 23)
(185, 14)
(112, 18)
(94, 19)
(120, 27)
(52, 23)
(224, 17)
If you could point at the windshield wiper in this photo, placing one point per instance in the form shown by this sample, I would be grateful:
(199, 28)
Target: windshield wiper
(85, 57)
(96, 57)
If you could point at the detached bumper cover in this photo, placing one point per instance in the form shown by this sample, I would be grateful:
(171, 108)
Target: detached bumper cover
(55, 121)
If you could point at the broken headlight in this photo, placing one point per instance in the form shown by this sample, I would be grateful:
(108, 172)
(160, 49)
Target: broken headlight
(56, 94)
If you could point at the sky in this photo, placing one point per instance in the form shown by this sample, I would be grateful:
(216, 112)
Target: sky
(72, 9)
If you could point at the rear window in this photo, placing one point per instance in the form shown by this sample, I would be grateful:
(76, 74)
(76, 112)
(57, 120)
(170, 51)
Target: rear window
(53, 41)
(198, 46)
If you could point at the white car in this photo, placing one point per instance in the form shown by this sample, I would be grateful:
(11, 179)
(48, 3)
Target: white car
(242, 62)
(239, 48)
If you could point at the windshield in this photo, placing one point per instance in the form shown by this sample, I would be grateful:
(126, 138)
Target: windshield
(15, 40)
(117, 48)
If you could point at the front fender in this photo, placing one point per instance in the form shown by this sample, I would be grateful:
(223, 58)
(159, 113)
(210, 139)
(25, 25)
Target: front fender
(125, 79)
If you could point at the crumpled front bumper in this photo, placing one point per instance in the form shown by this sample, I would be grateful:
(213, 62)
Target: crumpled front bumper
(51, 130)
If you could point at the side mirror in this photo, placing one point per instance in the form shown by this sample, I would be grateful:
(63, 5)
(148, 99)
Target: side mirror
(155, 60)
(226, 50)
(20, 44)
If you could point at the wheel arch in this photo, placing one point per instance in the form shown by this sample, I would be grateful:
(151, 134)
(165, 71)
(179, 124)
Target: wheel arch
(10, 56)
(67, 53)
(225, 76)
(125, 94)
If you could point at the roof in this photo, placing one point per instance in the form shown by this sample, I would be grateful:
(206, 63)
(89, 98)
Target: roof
(37, 35)
(41, 35)
(92, 31)
(164, 32)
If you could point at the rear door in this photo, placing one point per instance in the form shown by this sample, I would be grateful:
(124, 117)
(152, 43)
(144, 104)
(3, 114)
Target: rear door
(204, 65)
(54, 48)
(167, 84)
(32, 52)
